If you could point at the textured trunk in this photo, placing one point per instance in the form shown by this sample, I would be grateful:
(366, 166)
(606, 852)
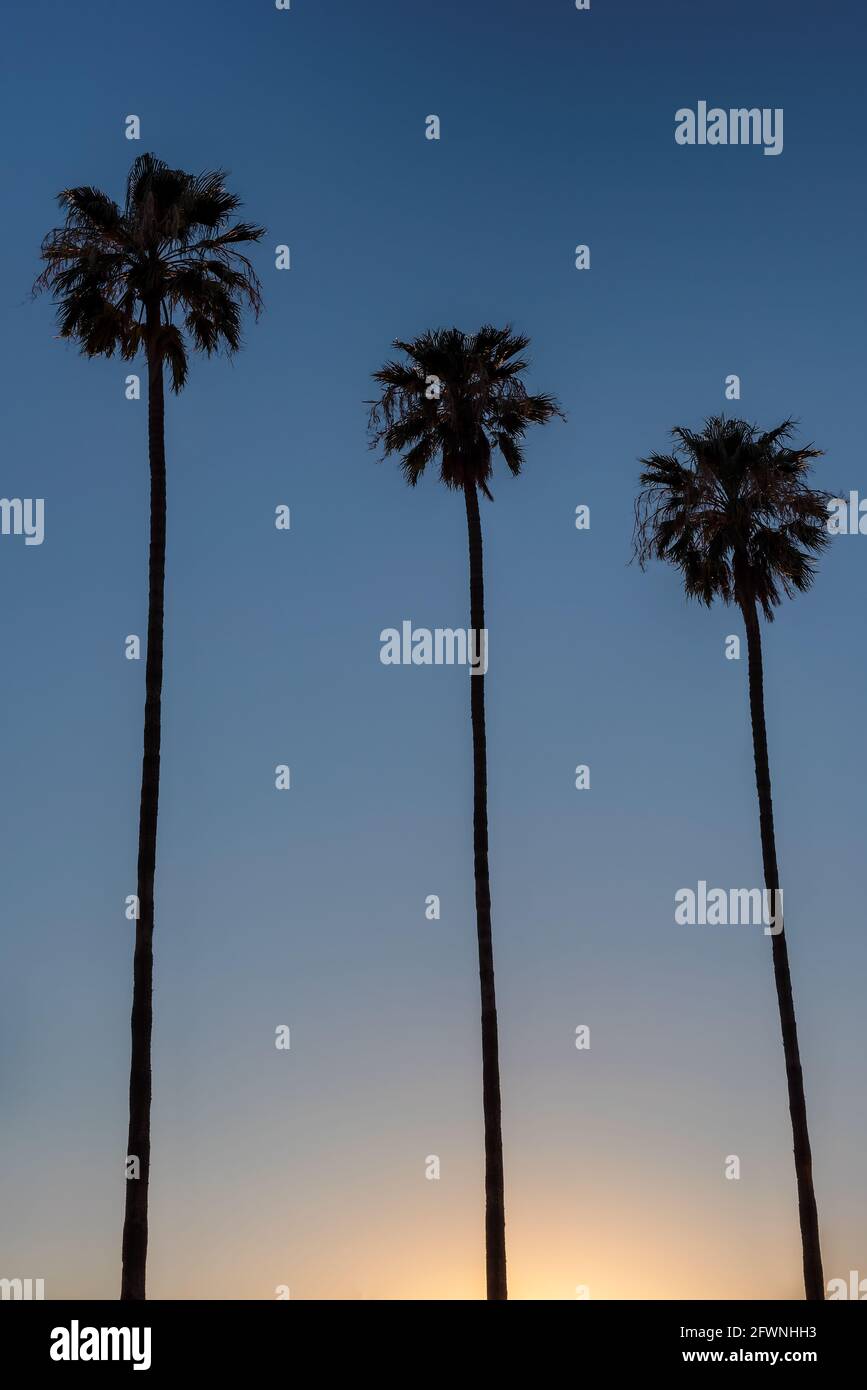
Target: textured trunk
(495, 1215)
(135, 1226)
(813, 1277)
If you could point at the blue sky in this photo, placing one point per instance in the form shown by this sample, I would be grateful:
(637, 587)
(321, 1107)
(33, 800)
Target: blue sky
(307, 908)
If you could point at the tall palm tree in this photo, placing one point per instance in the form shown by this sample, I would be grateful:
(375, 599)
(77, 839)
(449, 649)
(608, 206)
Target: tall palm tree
(161, 273)
(458, 397)
(732, 509)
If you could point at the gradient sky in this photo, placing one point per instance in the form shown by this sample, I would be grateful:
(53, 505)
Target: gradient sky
(306, 1168)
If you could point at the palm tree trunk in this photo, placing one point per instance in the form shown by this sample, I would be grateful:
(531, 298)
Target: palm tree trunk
(495, 1213)
(135, 1226)
(813, 1276)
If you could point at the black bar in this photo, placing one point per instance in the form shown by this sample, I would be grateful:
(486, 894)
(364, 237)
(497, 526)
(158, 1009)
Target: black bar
(305, 1339)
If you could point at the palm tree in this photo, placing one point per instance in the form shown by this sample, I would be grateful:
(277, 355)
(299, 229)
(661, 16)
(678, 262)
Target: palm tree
(127, 280)
(458, 397)
(733, 511)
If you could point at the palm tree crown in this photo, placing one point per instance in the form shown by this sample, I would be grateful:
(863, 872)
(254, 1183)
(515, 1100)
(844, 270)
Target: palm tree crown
(460, 397)
(125, 278)
(732, 509)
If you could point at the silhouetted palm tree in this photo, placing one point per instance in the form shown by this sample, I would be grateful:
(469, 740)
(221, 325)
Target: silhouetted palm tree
(733, 510)
(126, 280)
(458, 398)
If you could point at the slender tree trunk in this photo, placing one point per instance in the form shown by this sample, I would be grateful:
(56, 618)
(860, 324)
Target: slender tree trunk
(813, 1276)
(135, 1226)
(495, 1214)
